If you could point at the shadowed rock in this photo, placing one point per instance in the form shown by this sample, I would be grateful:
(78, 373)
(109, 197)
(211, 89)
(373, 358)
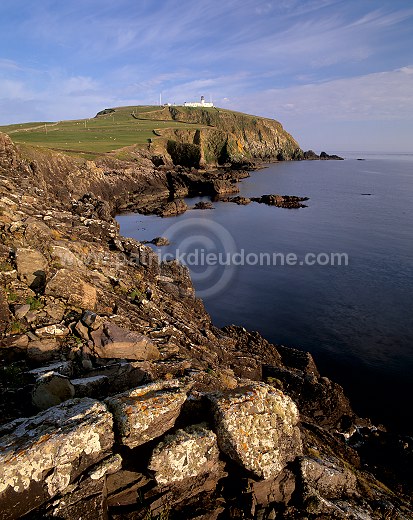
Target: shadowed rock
(31, 267)
(327, 478)
(112, 341)
(51, 389)
(4, 312)
(171, 209)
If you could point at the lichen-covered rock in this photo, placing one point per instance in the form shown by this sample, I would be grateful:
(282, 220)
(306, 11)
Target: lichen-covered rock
(107, 467)
(256, 426)
(70, 286)
(42, 455)
(147, 412)
(52, 330)
(187, 453)
(112, 341)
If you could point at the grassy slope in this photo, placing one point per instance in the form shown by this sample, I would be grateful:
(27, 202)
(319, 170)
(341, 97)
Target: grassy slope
(120, 127)
(94, 136)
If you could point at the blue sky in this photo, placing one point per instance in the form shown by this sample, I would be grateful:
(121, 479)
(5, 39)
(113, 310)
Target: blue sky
(337, 74)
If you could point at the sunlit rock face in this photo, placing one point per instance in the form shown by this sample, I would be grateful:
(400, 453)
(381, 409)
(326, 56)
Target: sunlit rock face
(41, 456)
(256, 426)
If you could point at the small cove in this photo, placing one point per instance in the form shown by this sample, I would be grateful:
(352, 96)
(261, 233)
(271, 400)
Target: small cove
(357, 319)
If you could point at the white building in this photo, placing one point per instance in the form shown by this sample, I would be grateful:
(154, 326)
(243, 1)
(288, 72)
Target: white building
(196, 104)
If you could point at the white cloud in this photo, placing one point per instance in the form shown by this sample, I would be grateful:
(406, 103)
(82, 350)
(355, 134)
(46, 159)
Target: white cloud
(77, 85)
(14, 89)
(379, 18)
(372, 97)
(8, 64)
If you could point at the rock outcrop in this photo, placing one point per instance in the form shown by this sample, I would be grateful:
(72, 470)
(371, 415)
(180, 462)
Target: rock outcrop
(220, 136)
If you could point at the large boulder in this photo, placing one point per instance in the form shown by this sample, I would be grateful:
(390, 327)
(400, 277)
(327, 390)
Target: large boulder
(256, 426)
(43, 350)
(70, 286)
(111, 341)
(147, 412)
(93, 386)
(187, 453)
(41, 456)
(31, 267)
(319, 399)
(51, 389)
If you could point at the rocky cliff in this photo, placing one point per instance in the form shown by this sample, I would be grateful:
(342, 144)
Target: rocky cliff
(120, 398)
(222, 136)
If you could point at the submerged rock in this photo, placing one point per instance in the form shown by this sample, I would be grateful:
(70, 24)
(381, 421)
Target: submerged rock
(281, 201)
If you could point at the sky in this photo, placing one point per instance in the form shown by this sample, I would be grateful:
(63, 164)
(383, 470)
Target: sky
(338, 74)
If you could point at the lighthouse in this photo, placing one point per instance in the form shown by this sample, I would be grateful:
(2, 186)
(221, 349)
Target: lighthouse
(202, 104)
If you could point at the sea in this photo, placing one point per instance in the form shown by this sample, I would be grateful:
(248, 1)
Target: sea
(334, 278)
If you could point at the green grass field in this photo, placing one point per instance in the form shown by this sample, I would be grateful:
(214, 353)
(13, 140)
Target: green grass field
(95, 136)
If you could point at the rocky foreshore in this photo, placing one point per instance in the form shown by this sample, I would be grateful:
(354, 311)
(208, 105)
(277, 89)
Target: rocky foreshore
(120, 398)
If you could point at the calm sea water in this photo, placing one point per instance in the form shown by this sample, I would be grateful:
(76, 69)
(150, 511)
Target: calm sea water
(357, 320)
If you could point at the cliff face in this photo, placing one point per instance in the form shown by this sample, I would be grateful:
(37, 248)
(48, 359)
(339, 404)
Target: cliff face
(230, 137)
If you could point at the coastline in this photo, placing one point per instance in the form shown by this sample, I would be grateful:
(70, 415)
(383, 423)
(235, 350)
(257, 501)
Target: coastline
(78, 296)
